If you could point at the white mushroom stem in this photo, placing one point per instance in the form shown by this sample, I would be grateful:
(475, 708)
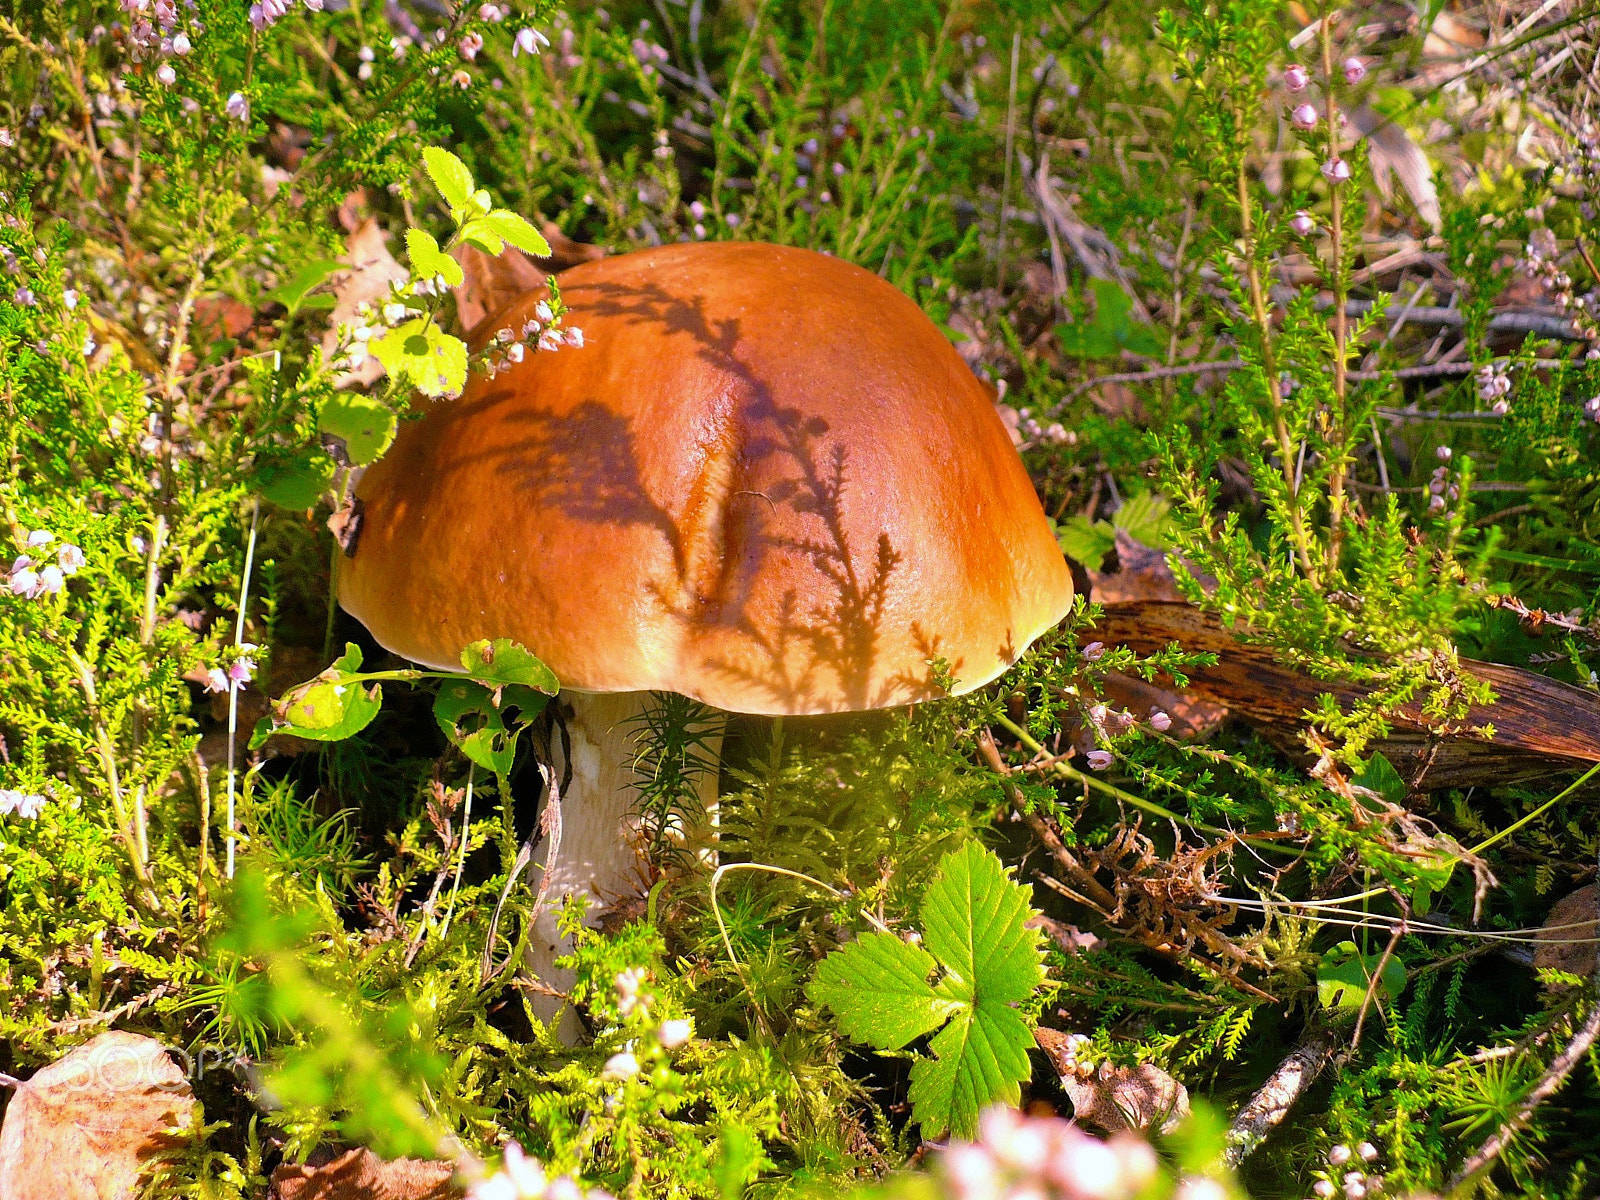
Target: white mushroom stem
(600, 855)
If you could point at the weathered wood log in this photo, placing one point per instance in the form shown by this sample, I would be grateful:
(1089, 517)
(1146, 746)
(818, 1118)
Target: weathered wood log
(1540, 725)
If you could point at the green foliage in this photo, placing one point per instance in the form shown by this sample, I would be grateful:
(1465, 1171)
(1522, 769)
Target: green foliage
(1113, 329)
(974, 928)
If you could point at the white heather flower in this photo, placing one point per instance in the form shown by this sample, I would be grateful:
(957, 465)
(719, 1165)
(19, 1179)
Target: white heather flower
(515, 353)
(1302, 222)
(1094, 652)
(528, 41)
(543, 311)
(88, 345)
(971, 1173)
(550, 339)
(51, 581)
(70, 299)
(1339, 1155)
(470, 44)
(1295, 77)
(395, 313)
(216, 680)
(181, 44)
(69, 558)
(166, 74)
(1354, 70)
(575, 338)
(675, 1033)
(24, 582)
(1160, 721)
(1304, 116)
(1324, 1188)
(40, 537)
(1199, 1187)
(1367, 1151)
(1336, 170)
(1100, 760)
(7, 138)
(620, 1066)
(238, 107)
(23, 804)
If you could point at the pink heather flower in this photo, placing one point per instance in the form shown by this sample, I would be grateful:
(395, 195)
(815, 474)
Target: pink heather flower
(1100, 760)
(1336, 169)
(70, 299)
(238, 107)
(1324, 1188)
(1304, 116)
(166, 74)
(516, 352)
(1339, 1155)
(23, 297)
(1500, 407)
(40, 537)
(575, 338)
(675, 1033)
(69, 558)
(550, 339)
(528, 41)
(470, 44)
(216, 680)
(491, 12)
(1443, 453)
(1354, 70)
(462, 80)
(51, 581)
(1295, 77)
(1302, 222)
(697, 210)
(24, 582)
(243, 668)
(620, 1066)
(181, 44)
(313, 5)
(1094, 652)
(1160, 721)
(1367, 1151)
(543, 311)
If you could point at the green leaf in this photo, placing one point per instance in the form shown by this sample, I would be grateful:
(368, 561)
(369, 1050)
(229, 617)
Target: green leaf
(1085, 541)
(878, 988)
(1112, 331)
(434, 361)
(297, 483)
(502, 662)
(974, 920)
(292, 295)
(334, 705)
(451, 177)
(1345, 973)
(473, 717)
(1378, 774)
(517, 232)
(365, 424)
(478, 232)
(428, 260)
(1146, 517)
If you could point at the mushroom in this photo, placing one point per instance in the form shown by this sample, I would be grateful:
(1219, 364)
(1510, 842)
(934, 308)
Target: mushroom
(765, 481)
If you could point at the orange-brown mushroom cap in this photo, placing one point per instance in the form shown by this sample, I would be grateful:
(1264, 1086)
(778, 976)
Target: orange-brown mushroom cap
(766, 481)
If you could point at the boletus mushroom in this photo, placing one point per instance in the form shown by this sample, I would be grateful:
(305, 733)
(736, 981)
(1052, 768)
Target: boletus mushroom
(766, 481)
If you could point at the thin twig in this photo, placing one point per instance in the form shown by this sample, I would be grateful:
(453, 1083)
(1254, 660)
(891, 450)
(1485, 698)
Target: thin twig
(1265, 1110)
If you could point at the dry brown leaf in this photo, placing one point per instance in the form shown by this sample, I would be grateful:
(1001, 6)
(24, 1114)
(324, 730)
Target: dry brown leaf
(1141, 574)
(1566, 939)
(85, 1126)
(1391, 151)
(1113, 1099)
(361, 1175)
(372, 270)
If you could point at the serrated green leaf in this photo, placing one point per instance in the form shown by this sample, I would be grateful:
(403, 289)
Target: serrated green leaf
(502, 662)
(450, 176)
(473, 717)
(365, 424)
(434, 361)
(980, 1058)
(517, 232)
(428, 260)
(334, 705)
(974, 921)
(1146, 516)
(1344, 974)
(292, 294)
(477, 232)
(1085, 541)
(878, 989)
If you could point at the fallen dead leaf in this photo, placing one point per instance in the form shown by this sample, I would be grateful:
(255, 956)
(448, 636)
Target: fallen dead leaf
(84, 1127)
(372, 270)
(361, 1175)
(1113, 1099)
(1566, 939)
